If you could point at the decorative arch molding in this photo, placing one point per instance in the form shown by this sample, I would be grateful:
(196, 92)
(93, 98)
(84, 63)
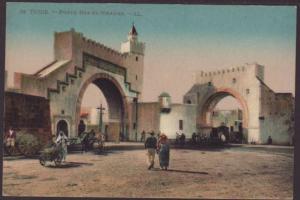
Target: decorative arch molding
(212, 100)
(114, 94)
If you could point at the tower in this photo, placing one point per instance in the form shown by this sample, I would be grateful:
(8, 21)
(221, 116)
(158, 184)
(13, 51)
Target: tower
(132, 45)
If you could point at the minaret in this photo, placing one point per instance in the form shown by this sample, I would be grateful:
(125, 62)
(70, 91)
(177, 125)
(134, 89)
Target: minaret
(132, 45)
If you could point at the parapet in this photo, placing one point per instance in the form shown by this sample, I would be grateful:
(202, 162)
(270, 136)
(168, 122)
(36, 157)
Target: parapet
(259, 71)
(71, 41)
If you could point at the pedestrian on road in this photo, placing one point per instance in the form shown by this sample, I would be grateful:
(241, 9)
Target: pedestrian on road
(62, 140)
(143, 136)
(81, 127)
(150, 145)
(11, 137)
(163, 149)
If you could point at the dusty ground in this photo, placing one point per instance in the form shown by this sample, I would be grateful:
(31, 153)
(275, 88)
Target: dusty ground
(231, 173)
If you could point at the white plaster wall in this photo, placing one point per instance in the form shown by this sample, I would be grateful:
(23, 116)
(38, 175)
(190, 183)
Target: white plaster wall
(169, 122)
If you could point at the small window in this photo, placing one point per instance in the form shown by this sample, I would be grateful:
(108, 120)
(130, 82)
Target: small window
(136, 58)
(62, 112)
(63, 88)
(247, 91)
(72, 81)
(188, 101)
(136, 77)
(234, 80)
(209, 83)
(181, 124)
(80, 74)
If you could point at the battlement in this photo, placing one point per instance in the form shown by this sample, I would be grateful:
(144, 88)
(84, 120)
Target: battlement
(101, 47)
(69, 42)
(256, 68)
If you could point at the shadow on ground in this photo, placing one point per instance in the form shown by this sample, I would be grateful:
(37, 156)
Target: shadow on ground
(70, 165)
(180, 171)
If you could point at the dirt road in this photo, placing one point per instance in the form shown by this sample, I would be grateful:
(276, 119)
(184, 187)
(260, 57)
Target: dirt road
(230, 173)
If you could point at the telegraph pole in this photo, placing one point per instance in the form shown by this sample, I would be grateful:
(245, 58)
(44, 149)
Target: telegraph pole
(101, 109)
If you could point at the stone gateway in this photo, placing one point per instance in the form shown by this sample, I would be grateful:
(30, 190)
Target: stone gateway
(80, 62)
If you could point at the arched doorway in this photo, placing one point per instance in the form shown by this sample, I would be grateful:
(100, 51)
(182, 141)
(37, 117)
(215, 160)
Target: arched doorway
(62, 125)
(235, 118)
(116, 105)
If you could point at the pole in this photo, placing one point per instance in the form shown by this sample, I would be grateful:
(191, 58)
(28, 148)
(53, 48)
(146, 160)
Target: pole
(101, 109)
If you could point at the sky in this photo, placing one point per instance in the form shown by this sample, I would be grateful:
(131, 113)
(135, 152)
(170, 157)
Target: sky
(180, 39)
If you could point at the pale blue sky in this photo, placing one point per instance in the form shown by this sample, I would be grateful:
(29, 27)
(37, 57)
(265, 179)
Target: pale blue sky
(179, 39)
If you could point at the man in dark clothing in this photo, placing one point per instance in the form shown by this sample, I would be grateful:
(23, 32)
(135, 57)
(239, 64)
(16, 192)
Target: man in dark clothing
(194, 138)
(81, 127)
(270, 140)
(182, 139)
(150, 145)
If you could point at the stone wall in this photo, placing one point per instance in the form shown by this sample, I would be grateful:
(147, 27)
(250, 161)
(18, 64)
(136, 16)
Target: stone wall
(276, 116)
(27, 113)
(148, 117)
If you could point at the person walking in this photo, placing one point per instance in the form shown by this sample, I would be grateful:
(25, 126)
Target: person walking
(62, 140)
(150, 145)
(163, 149)
(11, 138)
(81, 127)
(143, 136)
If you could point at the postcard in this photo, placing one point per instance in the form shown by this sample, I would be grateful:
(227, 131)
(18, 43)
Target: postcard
(149, 100)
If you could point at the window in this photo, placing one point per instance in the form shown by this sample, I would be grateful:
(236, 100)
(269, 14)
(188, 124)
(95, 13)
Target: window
(63, 88)
(234, 80)
(136, 58)
(72, 81)
(181, 124)
(62, 112)
(188, 101)
(247, 91)
(136, 77)
(209, 83)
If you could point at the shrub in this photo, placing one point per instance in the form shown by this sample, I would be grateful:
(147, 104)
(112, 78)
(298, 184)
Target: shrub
(27, 143)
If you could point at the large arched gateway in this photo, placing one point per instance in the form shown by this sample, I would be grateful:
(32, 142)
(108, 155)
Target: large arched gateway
(115, 97)
(264, 112)
(80, 62)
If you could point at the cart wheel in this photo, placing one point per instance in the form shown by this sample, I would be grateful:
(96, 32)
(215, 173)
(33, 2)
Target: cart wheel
(42, 162)
(100, 146)
(57, 162)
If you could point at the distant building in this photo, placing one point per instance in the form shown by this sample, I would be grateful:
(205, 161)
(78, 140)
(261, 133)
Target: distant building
(165, 117)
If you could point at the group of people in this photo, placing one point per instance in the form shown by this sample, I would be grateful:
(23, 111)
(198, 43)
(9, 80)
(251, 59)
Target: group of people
(199, 138)
(161, 147)
(180, 139)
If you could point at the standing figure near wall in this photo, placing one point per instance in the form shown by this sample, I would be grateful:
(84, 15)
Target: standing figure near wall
(81, 127)
(163, 150)
(143, 135)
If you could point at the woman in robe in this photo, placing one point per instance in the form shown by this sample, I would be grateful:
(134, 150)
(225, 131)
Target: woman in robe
(62, 140)
(163, 149)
